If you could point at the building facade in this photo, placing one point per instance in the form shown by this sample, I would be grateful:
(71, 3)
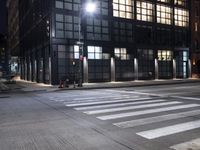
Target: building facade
(4, 69)
(13, 34)
(195, 40)
(122, 40)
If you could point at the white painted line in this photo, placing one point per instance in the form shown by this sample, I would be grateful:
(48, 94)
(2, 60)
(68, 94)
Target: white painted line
(190, 145)
(104, 102)
(121, 104)
(169, 130)
(148, 111)
(102, 97)
(144, 121)
(129, 108)
(187, 98)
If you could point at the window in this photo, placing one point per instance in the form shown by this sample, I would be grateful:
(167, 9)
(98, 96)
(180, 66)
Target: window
(196, 26)
(164, 55)
(144, 11)
(94, 52)
(102, 7)
(123, 8)
(145, 63)
(164, 14)
(59, 26)
(123, 31)
(97, 29)
(165, 1)
(68, 4)
(181, 17)
(121, 54)
(180, 2)
(76, 52)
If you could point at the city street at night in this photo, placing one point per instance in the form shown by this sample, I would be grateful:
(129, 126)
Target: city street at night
(160, 117)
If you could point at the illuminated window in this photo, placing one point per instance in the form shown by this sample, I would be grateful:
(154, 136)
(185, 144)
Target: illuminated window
(121, 54)
(164, 14)
(94, 52)
(76, 52)
(123, 8)
(164, 55)
(144, 11)
(196, 26)
(180, 2)
(165, 1)
(181, 17)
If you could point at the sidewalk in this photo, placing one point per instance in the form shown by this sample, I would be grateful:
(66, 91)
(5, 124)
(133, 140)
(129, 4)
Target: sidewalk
(27, 86)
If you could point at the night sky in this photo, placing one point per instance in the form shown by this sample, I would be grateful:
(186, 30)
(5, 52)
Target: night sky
(2, 16)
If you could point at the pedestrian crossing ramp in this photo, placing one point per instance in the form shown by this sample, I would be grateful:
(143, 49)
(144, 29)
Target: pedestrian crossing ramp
(151, 110)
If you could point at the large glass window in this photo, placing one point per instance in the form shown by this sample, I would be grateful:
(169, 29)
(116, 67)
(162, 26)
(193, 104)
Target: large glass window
(97, 29)
(123, 8)
(180, 2)
(165, 1)
(123, 31)
(121, 54)
(145, 63)
(181, 17)
(164, 55)
(94, 52)
(102, 7)
(68, 4)
(164, 14)
(165, 64)
(144, 11)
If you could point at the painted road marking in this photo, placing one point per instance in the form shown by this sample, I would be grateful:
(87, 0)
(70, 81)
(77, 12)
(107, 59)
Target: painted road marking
(130, 108)
(187, 98)
(169, 130)
(104, 102)
(121, 104)
(148, 111)
(144, 121)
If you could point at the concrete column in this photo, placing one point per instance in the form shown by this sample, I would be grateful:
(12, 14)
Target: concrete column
(30, 70)
(35, 72)
(136, 68)
(112, 69)
(156, 69)
(189, 69)
(50, 70)
(85, 70)
(174, 68)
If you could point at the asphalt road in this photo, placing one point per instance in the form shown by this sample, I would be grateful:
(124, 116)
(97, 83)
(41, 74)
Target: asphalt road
(139, 118)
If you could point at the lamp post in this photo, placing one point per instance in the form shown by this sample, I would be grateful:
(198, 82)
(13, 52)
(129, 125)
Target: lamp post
(89, 7)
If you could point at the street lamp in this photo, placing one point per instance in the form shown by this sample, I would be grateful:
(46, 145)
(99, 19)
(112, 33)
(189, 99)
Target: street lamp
(89, 7)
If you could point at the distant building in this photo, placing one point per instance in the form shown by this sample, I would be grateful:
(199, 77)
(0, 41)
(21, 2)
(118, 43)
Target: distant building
(4, 68)
(195, 40)
(13, 34)
(122, 40)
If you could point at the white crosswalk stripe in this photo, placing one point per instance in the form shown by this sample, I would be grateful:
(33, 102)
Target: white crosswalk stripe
(164, 131)
(104, 102)
(148, 111)
(143, 121)
(158, 117)
(130, 108)
(117, 105)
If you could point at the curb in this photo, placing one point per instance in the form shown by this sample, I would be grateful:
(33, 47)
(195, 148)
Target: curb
(130, 85)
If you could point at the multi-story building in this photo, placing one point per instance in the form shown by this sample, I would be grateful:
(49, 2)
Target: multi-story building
(122, 40)
(13, 34)
(3, 56)
(195, 40)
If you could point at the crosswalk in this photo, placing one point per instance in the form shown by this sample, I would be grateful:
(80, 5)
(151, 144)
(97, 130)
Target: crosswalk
(156, 116)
